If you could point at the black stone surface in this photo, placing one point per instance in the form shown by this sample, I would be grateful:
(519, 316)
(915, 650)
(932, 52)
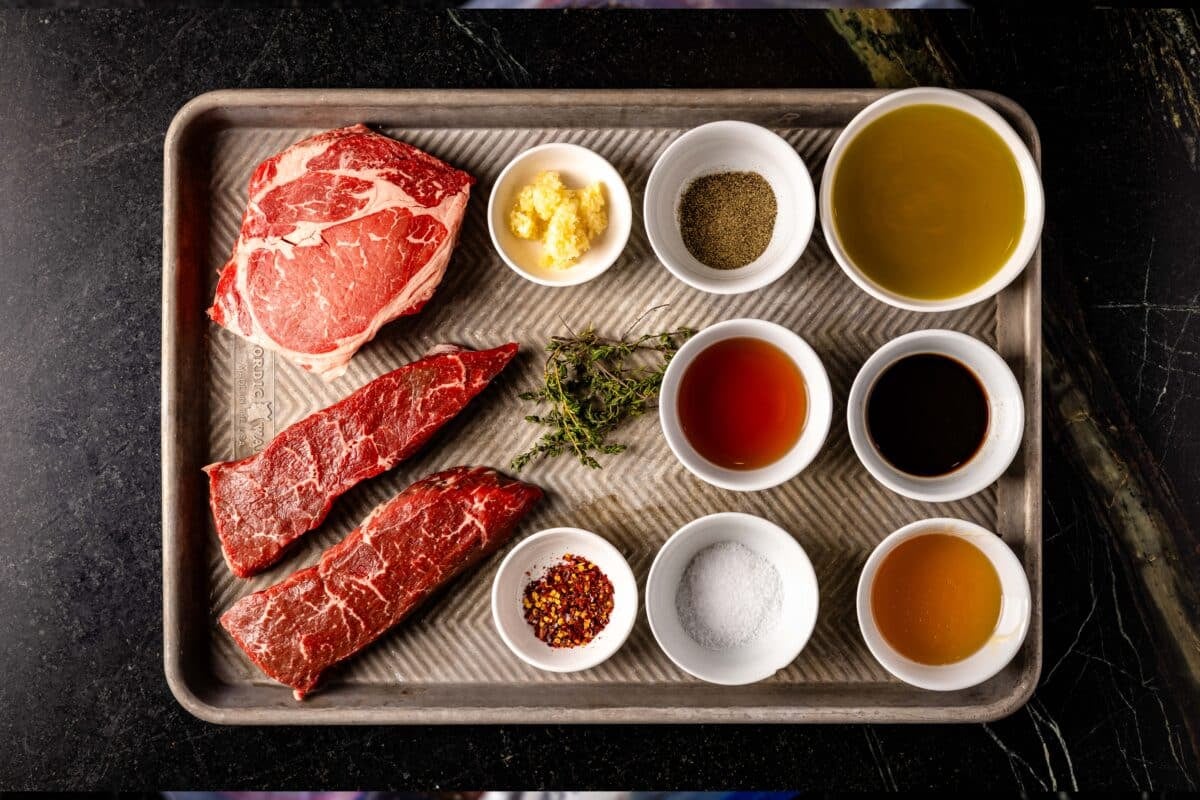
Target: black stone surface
(85, 99)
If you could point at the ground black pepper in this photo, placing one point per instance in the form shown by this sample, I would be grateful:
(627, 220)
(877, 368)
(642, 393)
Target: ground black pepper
(726, 219)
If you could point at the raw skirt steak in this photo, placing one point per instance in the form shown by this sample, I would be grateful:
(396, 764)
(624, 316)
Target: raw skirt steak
(403, 551)
(263, 503)
(344, 232)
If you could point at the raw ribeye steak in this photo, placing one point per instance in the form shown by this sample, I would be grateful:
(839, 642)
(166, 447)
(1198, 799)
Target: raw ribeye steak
(344, 232)
(263, 503)
(371, 580)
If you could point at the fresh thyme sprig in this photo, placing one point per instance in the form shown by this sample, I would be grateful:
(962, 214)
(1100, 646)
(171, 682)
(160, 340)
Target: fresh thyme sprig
(592, 385)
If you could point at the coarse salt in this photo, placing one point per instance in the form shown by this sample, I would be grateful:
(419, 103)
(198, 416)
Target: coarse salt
(729, 596)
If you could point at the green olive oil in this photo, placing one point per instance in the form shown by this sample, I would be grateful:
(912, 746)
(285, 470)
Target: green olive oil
(928, 202)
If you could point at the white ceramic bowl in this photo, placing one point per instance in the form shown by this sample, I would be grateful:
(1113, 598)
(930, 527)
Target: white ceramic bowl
(1030, 179)
(762, 657)
(730, 146)
(816, 426)
(1005, 641)
(1006, 416)
(578, 167)
(527, 562)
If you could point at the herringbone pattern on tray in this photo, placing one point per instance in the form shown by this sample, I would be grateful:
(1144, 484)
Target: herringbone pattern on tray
(835, 509)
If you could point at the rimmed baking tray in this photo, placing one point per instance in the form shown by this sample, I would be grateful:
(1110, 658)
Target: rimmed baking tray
(223, 398)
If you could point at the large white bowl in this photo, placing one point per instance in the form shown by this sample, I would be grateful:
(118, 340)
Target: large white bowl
(769, 653)
(816, 426)
(1010, 631)
(1030, 179)
(578, 167)
(730, 146)
(1006, 416)
(529, 561)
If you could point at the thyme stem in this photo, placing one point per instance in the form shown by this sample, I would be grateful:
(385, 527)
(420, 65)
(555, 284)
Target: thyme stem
(592, 384)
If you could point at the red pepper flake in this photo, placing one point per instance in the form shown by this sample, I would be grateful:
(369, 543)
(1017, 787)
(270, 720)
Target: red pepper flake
(570, 604)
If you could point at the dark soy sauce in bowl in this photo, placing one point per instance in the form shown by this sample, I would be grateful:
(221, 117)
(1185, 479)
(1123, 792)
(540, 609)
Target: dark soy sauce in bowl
(927, 414)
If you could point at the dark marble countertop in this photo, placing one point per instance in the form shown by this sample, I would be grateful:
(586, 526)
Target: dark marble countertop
(85, 99)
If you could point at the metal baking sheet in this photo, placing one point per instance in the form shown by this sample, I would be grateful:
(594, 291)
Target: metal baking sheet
(224, 398)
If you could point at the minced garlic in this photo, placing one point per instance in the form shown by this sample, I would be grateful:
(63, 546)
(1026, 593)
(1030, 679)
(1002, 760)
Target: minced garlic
(565, 220)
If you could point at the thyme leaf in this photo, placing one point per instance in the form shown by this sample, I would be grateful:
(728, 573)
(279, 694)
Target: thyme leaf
(591, 385)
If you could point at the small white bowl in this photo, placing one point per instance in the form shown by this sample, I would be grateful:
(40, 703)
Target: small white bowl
(1030, 178)
(1005, 641)
(527, 562)
(816, 426)
(730, 146)
(755, 660)
(1006, 416)
(579, 167)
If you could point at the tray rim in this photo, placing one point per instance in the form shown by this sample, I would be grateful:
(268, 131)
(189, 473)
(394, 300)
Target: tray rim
(195, 110)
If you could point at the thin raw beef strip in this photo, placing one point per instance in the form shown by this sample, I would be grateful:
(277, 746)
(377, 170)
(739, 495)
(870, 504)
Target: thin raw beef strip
(343, 232)
(374, 578)
(263, 503)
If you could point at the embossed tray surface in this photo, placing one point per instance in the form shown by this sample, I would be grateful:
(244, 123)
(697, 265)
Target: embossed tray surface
(223, 399)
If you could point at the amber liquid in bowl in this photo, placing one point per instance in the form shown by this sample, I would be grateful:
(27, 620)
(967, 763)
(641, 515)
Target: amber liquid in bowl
(742, 403)
(928, 202)
(936, 598)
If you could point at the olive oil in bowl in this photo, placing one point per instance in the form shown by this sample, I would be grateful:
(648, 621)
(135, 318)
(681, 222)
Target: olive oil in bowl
(928, 202)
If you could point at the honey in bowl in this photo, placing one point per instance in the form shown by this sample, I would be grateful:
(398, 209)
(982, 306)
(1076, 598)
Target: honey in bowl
(936, 598)
(742, 403)
(928, 202)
